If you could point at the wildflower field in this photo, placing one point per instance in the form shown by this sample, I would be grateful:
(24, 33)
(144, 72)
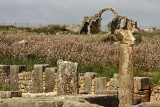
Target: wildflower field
(94, 53)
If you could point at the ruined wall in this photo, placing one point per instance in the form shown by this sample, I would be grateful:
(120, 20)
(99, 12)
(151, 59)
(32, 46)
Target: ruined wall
(25, 81)
(88, 83)
(92, 24)
(155, 94)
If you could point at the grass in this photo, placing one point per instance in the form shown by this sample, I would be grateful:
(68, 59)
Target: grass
(50, 29)
(101, 71)
(2, 88)
(29, 63)
(153, 74)
(155, 79)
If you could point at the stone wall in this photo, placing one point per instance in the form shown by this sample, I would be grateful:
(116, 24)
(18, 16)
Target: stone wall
(142, 88)
(155, 94)
(25, 81)
(44, 79)
(48, 80)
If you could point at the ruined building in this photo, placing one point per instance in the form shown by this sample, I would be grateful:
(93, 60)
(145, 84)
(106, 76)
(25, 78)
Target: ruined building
(92, 24)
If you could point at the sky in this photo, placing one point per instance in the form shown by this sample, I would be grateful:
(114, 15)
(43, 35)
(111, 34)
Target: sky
(145, 12)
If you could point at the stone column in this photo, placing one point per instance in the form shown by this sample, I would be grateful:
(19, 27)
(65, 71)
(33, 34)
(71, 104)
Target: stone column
(100, 84)
(126, 74)
(99, 24)
(37, 77)
(50, 79)
(67, 78)
(89, 29)
(13, 76)
(89, 76)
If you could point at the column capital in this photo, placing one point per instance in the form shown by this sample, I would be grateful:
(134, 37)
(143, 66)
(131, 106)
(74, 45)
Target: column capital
(125, 36)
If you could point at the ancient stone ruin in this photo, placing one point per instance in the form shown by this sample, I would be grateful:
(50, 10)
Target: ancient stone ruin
(63, 86)
(92, 24)
(44, 83)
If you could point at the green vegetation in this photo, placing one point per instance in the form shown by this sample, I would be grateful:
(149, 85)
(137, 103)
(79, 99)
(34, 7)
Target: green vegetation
(4, 88)
(50, 29)
(103, 32)
(101, 71)
(155, 79)
(139, 36)
(29, 63)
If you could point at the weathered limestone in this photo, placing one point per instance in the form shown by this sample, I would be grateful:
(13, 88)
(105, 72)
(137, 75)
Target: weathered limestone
(81, 79)
(25, 81)
(4, 75)
(50, 79)
(100, 84)
(116, 76)
(37, 77)
(10, 94)
(155, 95)
(13, 76)
(89, 76)
(92, 24)
(141, 83)
(112, 84)
(67, 77)
(148, 104)
(142, 88)
(126, 74)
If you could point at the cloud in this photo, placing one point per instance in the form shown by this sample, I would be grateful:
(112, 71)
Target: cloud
(73, 11)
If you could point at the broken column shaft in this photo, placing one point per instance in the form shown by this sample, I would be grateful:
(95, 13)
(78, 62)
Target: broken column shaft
(67, 78)
(126, 74)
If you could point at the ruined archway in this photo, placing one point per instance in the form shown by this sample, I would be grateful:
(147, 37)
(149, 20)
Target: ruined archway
(106, 17)
(92, 24)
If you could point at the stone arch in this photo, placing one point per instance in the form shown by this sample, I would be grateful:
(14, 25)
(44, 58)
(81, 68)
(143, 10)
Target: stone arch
(92, 24)
(108, 9)
(115, 24)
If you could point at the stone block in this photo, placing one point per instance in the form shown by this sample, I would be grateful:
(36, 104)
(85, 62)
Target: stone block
(37, 77)
(10, 94)
(4, 74)
(50, 79)
(114, 82)
(141, 83)
(88, 81)
(112, 92)
(80, 78)
(155, 90)
(100, 84)
(116, 76)
(13, 76)
(112, 88)
(67, 78)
